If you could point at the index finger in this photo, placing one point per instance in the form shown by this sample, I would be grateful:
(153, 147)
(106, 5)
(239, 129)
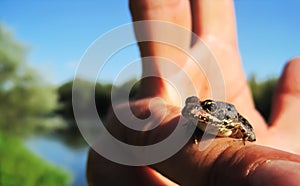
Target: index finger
(227, 162)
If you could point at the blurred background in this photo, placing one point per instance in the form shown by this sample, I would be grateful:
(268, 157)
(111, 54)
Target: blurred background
(41, 43)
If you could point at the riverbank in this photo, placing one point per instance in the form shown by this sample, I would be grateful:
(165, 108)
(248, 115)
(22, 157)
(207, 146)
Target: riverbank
(19, 166)
(63, 150)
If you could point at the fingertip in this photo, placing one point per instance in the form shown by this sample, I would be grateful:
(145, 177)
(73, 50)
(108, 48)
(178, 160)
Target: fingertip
(277, 172)
(289, 81)
(247, 166)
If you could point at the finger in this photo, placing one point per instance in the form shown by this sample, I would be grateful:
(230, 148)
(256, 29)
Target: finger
(227, 162)
(101, 171)
(286, 106)
(170, 12)
(214, 22)
(286, 102)
(214, 19)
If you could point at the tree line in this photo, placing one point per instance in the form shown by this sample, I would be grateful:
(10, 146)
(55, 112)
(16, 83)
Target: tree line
(262, 92)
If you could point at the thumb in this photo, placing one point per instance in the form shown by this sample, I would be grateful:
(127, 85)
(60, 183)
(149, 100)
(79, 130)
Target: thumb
(286, 106)
(286, 102)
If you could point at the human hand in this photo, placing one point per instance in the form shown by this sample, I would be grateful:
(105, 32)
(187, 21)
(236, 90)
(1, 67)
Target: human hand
(225, 161)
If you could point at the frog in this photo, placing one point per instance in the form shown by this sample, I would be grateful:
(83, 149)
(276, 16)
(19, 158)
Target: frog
(218, 118)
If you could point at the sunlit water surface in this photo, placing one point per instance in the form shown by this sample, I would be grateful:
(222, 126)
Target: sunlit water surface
(73, 159)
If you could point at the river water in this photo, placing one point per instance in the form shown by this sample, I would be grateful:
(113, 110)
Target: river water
(54, 150)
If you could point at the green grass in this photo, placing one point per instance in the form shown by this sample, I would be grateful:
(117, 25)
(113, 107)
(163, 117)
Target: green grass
(18, 166)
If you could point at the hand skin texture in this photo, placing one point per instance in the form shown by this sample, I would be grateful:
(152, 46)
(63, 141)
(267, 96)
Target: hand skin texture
(225, 161)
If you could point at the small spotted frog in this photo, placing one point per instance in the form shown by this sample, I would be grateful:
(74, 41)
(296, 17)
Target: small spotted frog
(219, 118)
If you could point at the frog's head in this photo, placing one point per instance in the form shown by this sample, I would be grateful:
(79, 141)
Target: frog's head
(221, 110)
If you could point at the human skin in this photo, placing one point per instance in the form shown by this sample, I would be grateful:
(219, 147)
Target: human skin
(225, 161)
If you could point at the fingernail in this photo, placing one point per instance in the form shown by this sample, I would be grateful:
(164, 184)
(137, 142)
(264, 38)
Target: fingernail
(276, 172)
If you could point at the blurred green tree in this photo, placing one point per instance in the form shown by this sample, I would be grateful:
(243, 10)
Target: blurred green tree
(24, 96)
(262, 93)
(102, 97)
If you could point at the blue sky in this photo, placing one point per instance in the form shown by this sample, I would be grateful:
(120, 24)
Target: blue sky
(58, 33)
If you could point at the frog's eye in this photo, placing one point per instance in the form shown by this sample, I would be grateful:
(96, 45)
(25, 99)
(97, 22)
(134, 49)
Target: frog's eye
(209, 105)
